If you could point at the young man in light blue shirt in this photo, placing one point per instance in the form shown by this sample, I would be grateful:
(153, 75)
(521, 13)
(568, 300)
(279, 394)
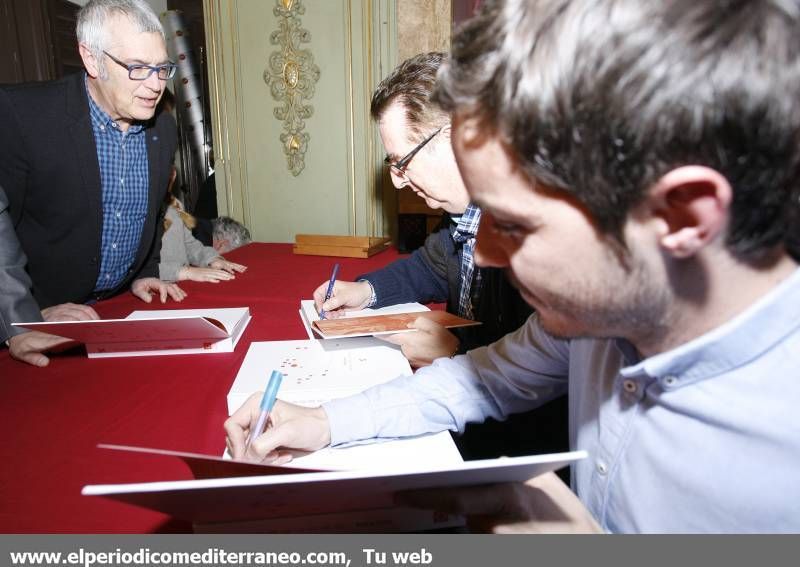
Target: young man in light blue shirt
(637, 163)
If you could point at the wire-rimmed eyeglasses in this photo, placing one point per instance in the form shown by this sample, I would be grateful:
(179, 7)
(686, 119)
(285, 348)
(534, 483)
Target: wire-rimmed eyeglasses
(141, 72)
(399, 167)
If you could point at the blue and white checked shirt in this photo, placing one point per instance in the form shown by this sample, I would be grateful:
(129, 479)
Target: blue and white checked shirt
(702, 438)
(464, 231)
(125, 181)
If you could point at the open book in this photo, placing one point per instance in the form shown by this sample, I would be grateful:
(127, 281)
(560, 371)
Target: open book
(369, 322)
(158, 332)
(316, 371)
(347, 489)
(300, 501)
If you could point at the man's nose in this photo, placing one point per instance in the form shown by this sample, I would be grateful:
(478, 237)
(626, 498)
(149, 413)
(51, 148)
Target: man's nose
(153, 82)
(398, 180)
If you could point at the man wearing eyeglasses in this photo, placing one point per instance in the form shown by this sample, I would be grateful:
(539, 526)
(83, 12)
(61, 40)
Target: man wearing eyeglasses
(637, 165)
(416, 136)
(415, 133)
(85, 164)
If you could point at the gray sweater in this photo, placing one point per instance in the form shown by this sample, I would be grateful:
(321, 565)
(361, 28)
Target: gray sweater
(179, 248)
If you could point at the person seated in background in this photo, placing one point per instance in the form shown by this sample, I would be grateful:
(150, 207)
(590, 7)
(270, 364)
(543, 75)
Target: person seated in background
(415, 132)
(222, 233)
(183, 257)
(638, 167)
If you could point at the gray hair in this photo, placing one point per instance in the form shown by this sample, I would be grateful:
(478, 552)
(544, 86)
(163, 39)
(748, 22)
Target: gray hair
(93, 17)
(233, 231)
(600, 99)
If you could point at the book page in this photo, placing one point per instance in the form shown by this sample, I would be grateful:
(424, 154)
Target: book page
(126, 333)
(229, 317)
(316, 371)
(308, 312)
(384, 324)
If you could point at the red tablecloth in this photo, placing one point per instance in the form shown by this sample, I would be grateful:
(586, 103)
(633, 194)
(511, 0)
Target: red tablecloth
(54, 417)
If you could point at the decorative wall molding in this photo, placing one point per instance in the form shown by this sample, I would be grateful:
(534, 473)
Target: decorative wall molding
(354, 43)
(291, 76)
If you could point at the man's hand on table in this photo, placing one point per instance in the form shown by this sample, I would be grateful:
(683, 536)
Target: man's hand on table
(144, 287)
(30, 347)
(69, 312)
(289, 427)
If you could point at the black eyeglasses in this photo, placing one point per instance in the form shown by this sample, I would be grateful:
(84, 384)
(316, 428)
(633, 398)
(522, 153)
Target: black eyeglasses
(141, 72)
(400, 167)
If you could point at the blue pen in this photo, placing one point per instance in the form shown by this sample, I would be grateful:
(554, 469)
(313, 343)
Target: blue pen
(330, 289)
(267, 402)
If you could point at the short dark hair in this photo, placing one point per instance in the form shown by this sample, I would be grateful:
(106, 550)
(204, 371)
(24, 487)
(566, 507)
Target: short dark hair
(412, 83)
(600, 99)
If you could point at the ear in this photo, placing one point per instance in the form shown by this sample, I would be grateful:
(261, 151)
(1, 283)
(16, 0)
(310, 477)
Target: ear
(692, 204)
(90, 62)
(467, 131)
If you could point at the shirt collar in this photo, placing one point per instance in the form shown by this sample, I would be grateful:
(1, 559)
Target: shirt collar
(466, 225)
(102, 119)
(731, 345)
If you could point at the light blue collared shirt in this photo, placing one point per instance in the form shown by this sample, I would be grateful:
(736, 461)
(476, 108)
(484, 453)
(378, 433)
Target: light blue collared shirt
(702, 438)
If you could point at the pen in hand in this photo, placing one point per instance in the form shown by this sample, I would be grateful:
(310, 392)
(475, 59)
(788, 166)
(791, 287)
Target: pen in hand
(267, 401)
(330, 289)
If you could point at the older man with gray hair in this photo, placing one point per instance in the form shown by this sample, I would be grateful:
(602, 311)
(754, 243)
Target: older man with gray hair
(86, 163)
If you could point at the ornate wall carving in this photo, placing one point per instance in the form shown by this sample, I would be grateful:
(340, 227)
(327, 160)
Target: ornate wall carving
(291, 76)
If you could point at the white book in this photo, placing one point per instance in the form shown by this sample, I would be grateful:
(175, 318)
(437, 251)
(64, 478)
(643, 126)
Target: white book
(333, 490)
(316, 371)
(287, 497)
(388, 519)
(156, 332)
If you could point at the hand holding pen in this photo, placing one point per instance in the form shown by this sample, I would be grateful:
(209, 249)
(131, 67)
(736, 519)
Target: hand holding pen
(267, 402)
(328, 293)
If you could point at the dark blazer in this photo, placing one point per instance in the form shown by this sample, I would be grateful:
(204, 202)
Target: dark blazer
(50, 172)
(16, 303)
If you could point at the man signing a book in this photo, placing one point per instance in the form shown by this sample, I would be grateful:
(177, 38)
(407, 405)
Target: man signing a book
(638, 168)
